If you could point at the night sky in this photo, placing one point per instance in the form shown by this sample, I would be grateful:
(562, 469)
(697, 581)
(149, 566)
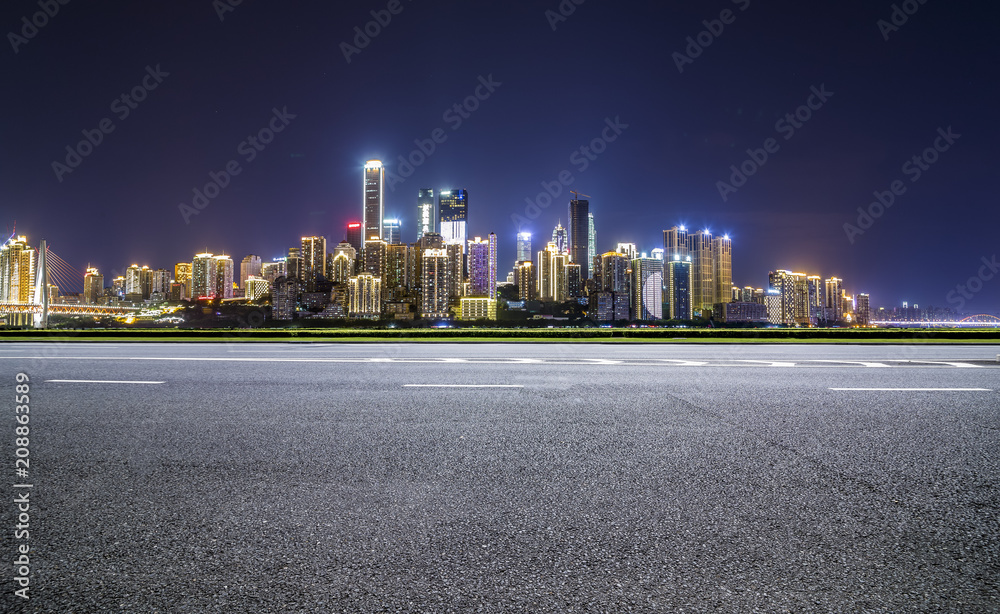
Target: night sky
(219, 81)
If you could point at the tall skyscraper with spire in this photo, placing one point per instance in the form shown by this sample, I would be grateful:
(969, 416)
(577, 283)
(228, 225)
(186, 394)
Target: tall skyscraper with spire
(560, 238)
(374, 198)
(579, 235)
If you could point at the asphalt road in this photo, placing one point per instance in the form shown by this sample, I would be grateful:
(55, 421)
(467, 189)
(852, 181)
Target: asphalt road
(571, 478)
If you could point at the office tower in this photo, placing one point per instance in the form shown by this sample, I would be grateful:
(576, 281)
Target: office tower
(702, 270)
(118, 287)
(814, 284)
(523, 247)
(629, 250)
(223, 273)
(365, 296)
(293, 263)
(284, 298)
(561, 239)
(793, 289)
(355, 236)
(862, 310)
(647, 289)
(250, 267)
(435, 284)
(479, 269)
(834, 299)
(256, 288)
(614, 272)
(427, 213)
(374, 256)
(579, 235)
(17, 271)
(722, 268)
(93, 286)
(313, 261)
(182, 275)
(342, 267)
(271, 271)
(591, 244)
(675, 243)
(392, 229)
(159, 283)
(524, 277)
(396, 278)
(202, 275)
(677, 292)
(133, 281)
(456, 269)
(552, 282)
(574, 280)
(374, 211)
(453, 212)
(774, 303)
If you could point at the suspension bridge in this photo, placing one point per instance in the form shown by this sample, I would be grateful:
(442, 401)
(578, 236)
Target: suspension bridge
(46, 267)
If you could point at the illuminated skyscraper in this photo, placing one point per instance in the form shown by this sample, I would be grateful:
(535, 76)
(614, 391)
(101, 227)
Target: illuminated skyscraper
(862, 310)
(629, 250)
(834, 299)
(453, 209)
(614, 272)
(202, 275)
(561, 239)
(159, 285)
(355, 236)
(374, 256)
(182, 275)
(483, 267)
(223, 286)
(702, 271)
(722, 268)
(579, 235)
(816, 307)
(313, 255)
(677, 291)
(250, 267)
(93, 286)
(523, 247)
(374, 194)
(17, 271)
(552, 281)
(647, 289)
(397, 274)
(392, 228)
(256, 288)
(524, 277)
(675, 243)
(365, 296)
(427, 214)
(591, 243)
(342, 267)
(435, 295)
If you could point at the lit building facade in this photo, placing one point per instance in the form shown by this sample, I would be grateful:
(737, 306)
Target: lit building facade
(453, 211)
(647, 289)
(702, 271)
(427, 213)
(579, 235)
(374, 199)
(250, 267)
(93, 287)
(478, 308)
(435, 284)
(677, 303)
(365, 293)
(722, 268)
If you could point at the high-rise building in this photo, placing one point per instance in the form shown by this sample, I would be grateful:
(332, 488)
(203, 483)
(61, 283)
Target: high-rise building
(202, 275)
(647, 289)
(284, 298)
(793, 290)
(579, 235)
(365, 292)
(427, 213)
(133, 282)
(159, 284)
(453, 211)
(17, 271)
(456, 269)
(182, 275)
(814, 294)
(93, 286)
(256, 288)
(293, 263)
(392, 231)
(702, 271)
(591, 243)
(435, 284)
(675, 243)
(614, 272)
(375, 256)
(677, 292)
(574, 280)
(524, 277)
(834, 299)
(223, 273)
(862, 310)
(355, 236)
(396, 275)
(342, 268)
(523, 247)
(374, 194)
(629, 250)
(482, 267)
(271, 271)
(561, 239)
(552, 282)
(313, 267)
(250, 267)
(722, 268)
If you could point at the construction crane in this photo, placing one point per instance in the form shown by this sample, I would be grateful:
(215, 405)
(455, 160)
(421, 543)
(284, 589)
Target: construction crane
(577, 195)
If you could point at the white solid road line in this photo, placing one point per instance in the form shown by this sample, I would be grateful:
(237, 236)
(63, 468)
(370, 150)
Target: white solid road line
(462, 386)
(97, 381)
(916, 389)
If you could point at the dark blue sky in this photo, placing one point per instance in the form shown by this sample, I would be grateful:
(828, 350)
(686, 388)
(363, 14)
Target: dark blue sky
(558, 87)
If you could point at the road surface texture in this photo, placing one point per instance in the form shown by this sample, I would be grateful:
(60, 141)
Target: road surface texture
(507, 478)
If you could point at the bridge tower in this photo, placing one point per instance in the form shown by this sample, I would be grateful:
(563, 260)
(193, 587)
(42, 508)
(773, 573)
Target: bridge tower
(41, 319)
